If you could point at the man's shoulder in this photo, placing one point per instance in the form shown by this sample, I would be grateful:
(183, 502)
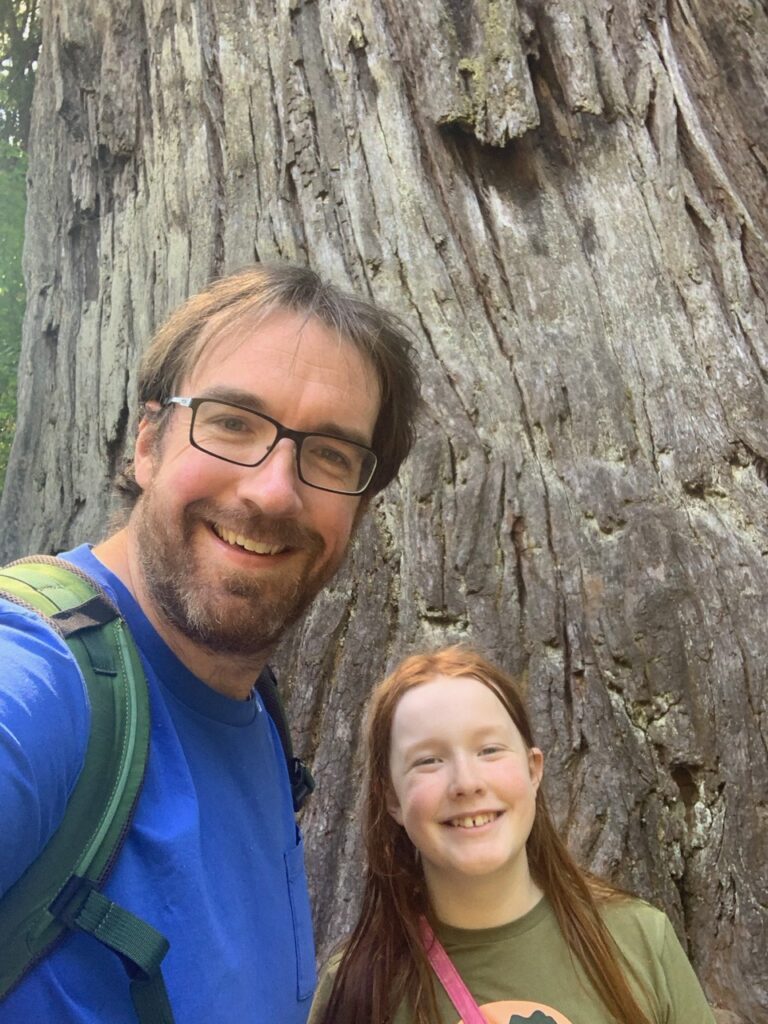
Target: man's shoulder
(27, 639)
(44, 729)
(84, 559)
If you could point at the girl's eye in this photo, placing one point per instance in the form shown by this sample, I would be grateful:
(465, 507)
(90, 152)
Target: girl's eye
(426, 762)
(491, 748)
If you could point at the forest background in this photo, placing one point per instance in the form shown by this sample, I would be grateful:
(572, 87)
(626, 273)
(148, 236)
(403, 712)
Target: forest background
(19, 47)
(567, 200)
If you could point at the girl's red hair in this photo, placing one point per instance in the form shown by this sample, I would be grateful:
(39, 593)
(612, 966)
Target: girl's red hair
(383, 961)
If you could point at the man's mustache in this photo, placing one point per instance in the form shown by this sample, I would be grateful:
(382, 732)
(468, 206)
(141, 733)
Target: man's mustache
(256, 526)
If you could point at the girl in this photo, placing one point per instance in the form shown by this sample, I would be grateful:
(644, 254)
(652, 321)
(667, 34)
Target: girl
(473, 910)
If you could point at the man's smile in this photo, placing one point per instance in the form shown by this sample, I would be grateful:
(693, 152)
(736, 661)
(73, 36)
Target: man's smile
(247, 543)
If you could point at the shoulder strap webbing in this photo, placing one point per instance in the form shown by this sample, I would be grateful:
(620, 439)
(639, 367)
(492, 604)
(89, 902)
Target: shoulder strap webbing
(451, 980)
(302, 781)
(59, 891)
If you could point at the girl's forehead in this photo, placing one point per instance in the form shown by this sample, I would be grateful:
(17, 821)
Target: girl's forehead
(448, 702)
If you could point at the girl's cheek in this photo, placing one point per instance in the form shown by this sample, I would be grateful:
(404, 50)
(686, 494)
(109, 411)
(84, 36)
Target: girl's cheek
(525, 786)
(422, 796)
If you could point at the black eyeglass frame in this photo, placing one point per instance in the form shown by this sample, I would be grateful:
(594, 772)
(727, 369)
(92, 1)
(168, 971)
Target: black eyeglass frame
(297, 436)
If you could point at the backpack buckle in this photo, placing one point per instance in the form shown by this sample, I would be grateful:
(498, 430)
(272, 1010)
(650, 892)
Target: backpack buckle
(71, 899)
(302, 783)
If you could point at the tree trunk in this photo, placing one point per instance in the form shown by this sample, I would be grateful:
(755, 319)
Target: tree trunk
(568, 200)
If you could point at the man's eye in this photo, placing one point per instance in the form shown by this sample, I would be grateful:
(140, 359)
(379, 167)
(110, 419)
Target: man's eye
(231, 424)
(332, 457)
(329, 461)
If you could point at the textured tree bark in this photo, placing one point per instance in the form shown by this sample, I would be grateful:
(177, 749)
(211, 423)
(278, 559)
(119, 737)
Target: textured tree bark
(568, 200)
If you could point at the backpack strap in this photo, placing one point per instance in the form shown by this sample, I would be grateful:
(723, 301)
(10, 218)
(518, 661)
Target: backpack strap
(301, 778)
(60, 890)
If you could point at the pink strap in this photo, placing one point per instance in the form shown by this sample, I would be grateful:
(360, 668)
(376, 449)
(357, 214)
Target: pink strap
(449, 977)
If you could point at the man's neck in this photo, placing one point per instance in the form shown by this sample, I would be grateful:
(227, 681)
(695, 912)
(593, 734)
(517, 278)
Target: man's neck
(228, 674)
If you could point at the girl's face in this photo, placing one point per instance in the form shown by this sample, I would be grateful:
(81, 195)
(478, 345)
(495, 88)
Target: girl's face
(463, 784)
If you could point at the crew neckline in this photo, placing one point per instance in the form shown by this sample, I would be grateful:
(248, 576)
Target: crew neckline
(452, 935)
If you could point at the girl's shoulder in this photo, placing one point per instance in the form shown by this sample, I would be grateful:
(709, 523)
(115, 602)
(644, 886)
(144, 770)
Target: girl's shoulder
(324, 987)
(632, 919)
(648, 941)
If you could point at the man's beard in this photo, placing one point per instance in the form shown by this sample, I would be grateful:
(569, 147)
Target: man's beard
(229, 612)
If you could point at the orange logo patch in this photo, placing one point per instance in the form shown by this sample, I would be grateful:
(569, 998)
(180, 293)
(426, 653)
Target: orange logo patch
(516, 1011)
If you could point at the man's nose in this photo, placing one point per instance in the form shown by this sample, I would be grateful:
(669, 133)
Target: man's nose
(274, 484)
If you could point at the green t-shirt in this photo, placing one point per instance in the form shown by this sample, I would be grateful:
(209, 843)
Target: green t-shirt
(523, 972)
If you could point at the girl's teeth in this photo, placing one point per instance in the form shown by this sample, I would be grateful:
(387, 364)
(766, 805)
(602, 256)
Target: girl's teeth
(473, 822)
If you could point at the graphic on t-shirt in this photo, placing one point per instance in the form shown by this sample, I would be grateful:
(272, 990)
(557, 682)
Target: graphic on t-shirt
(536, 1018)
(517, 1011)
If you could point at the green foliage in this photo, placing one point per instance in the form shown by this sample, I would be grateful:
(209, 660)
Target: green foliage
(19, 47)
(13, 164)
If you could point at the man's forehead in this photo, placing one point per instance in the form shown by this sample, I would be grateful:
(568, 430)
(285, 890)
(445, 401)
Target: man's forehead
(284, 341)
(294, 367)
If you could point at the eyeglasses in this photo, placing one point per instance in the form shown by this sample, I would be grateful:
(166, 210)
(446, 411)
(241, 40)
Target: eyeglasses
(237, 434)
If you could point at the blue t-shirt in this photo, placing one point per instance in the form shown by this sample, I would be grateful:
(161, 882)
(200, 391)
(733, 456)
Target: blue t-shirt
(213, 858)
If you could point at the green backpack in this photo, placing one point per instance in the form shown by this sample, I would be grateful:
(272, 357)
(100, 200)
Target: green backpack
(60, 890)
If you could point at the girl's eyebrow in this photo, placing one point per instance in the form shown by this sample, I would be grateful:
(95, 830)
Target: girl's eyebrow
(433, 742)
(419, 746)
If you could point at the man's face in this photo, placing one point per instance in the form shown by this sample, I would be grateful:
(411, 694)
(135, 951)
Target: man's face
(230, 555)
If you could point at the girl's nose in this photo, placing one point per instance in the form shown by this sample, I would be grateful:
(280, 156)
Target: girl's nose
(466, 777)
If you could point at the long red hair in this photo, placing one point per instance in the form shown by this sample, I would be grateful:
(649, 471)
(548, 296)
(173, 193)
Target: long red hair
(383, 961)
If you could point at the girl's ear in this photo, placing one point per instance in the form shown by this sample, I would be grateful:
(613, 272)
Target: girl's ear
(535, 766)
(393, 806)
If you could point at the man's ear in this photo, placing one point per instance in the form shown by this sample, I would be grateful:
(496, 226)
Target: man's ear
(535, 766)
(145, 452)
(362, 508)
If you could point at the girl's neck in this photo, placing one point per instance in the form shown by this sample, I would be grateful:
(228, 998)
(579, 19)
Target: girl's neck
(481, 902)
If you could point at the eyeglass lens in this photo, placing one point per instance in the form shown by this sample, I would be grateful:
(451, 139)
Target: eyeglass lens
(245, 437)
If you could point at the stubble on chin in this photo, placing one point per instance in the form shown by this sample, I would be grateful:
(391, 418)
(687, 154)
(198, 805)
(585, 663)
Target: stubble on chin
(230, 612)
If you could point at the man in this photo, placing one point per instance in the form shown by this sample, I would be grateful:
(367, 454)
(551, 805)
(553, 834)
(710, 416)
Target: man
(274, 407)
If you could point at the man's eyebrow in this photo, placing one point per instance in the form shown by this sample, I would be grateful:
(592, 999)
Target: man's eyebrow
(221, 393)
(234, 395)
(346, 433)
